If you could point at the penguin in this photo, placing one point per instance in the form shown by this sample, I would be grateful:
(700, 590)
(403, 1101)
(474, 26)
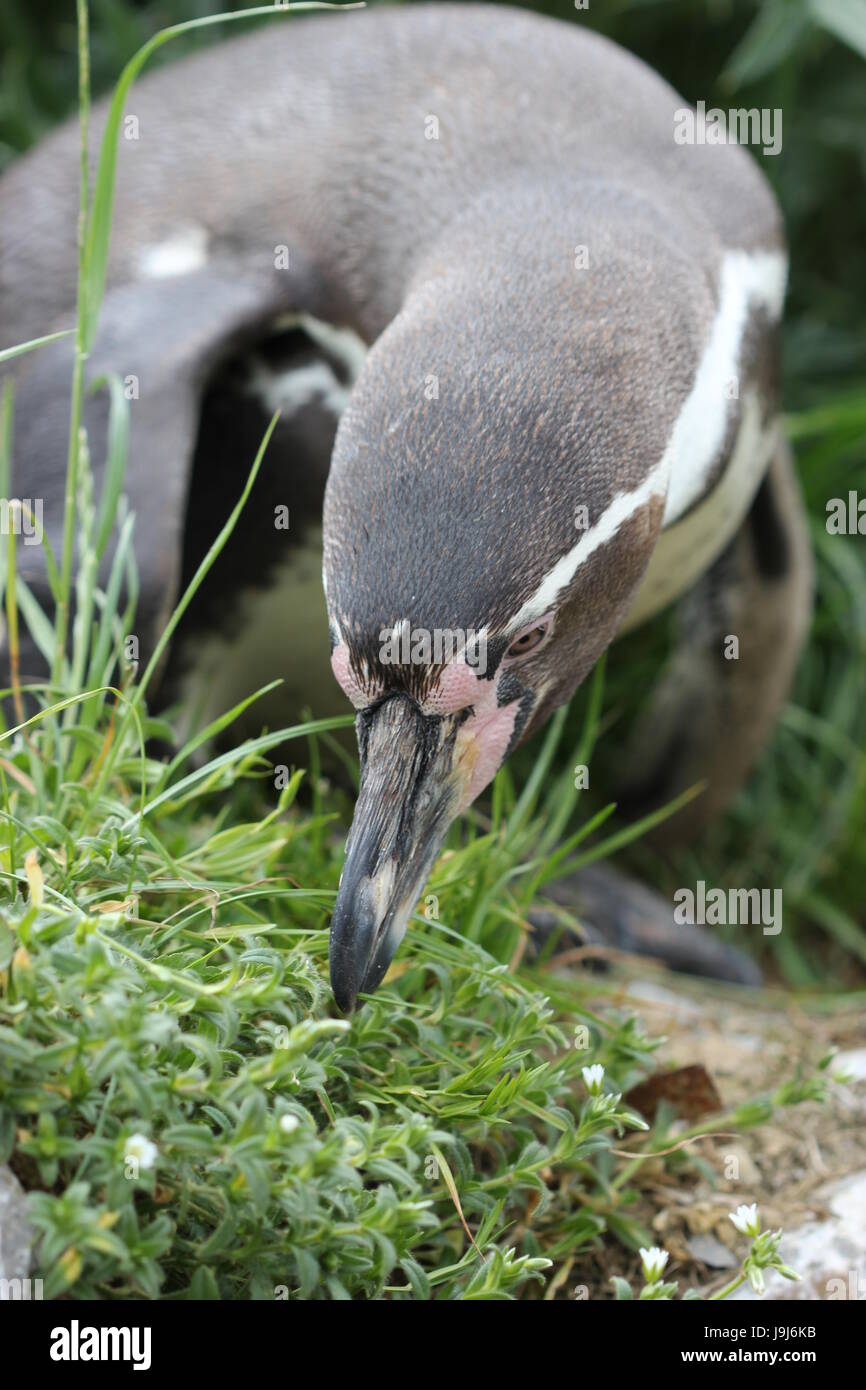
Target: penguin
(525, 345)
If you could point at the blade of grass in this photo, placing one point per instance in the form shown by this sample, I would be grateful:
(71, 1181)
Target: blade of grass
(225, 760)
(212, 731)
(115, 468)
(7, 354)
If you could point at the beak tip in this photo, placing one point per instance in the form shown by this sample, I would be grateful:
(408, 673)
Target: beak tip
(357, 957)
(344, 985)
(344, 999)
(350, 978)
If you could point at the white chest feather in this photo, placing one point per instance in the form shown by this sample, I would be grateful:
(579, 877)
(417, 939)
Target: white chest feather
(746, 283)
(687, 548)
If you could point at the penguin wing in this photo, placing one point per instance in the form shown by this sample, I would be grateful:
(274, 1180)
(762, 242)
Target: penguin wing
(163, 340)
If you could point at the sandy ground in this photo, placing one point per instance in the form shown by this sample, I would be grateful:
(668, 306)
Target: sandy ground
(806, 1167)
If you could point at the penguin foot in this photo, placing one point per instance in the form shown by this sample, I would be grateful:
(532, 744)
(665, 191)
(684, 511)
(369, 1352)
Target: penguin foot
(620, 913)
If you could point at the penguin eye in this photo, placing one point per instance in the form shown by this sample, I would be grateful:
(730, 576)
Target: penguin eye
(529, 639)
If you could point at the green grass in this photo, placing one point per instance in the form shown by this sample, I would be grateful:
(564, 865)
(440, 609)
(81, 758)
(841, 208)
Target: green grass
(162, 975)
(163, 938)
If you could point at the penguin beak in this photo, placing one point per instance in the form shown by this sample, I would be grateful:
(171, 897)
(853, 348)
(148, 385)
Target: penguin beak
(412, 785)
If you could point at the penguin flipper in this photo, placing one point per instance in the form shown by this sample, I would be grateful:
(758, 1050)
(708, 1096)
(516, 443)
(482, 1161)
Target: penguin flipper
(164, 341)
(717, 700)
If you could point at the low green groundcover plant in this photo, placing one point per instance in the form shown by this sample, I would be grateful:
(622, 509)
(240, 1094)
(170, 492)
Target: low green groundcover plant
(190, 1118)
(187, 1113)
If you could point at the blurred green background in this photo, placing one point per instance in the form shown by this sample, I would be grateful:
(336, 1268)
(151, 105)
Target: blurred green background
(800, 823)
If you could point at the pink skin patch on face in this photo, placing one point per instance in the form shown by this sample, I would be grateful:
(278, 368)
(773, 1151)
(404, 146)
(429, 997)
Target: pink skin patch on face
(457, 687)
(482, 741)
(348, 681)
(481, 745)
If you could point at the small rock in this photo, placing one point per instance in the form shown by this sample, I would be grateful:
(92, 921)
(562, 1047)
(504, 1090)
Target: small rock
(853, 1063)
(711, 1252)
(16, 1233)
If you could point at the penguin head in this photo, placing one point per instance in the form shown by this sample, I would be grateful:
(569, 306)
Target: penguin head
(488, 521)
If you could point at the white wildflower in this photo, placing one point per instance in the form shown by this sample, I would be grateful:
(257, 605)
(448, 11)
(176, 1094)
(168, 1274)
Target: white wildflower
(654, 1261)
(747, 1219)
(141, 1151)
(593, 1078)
